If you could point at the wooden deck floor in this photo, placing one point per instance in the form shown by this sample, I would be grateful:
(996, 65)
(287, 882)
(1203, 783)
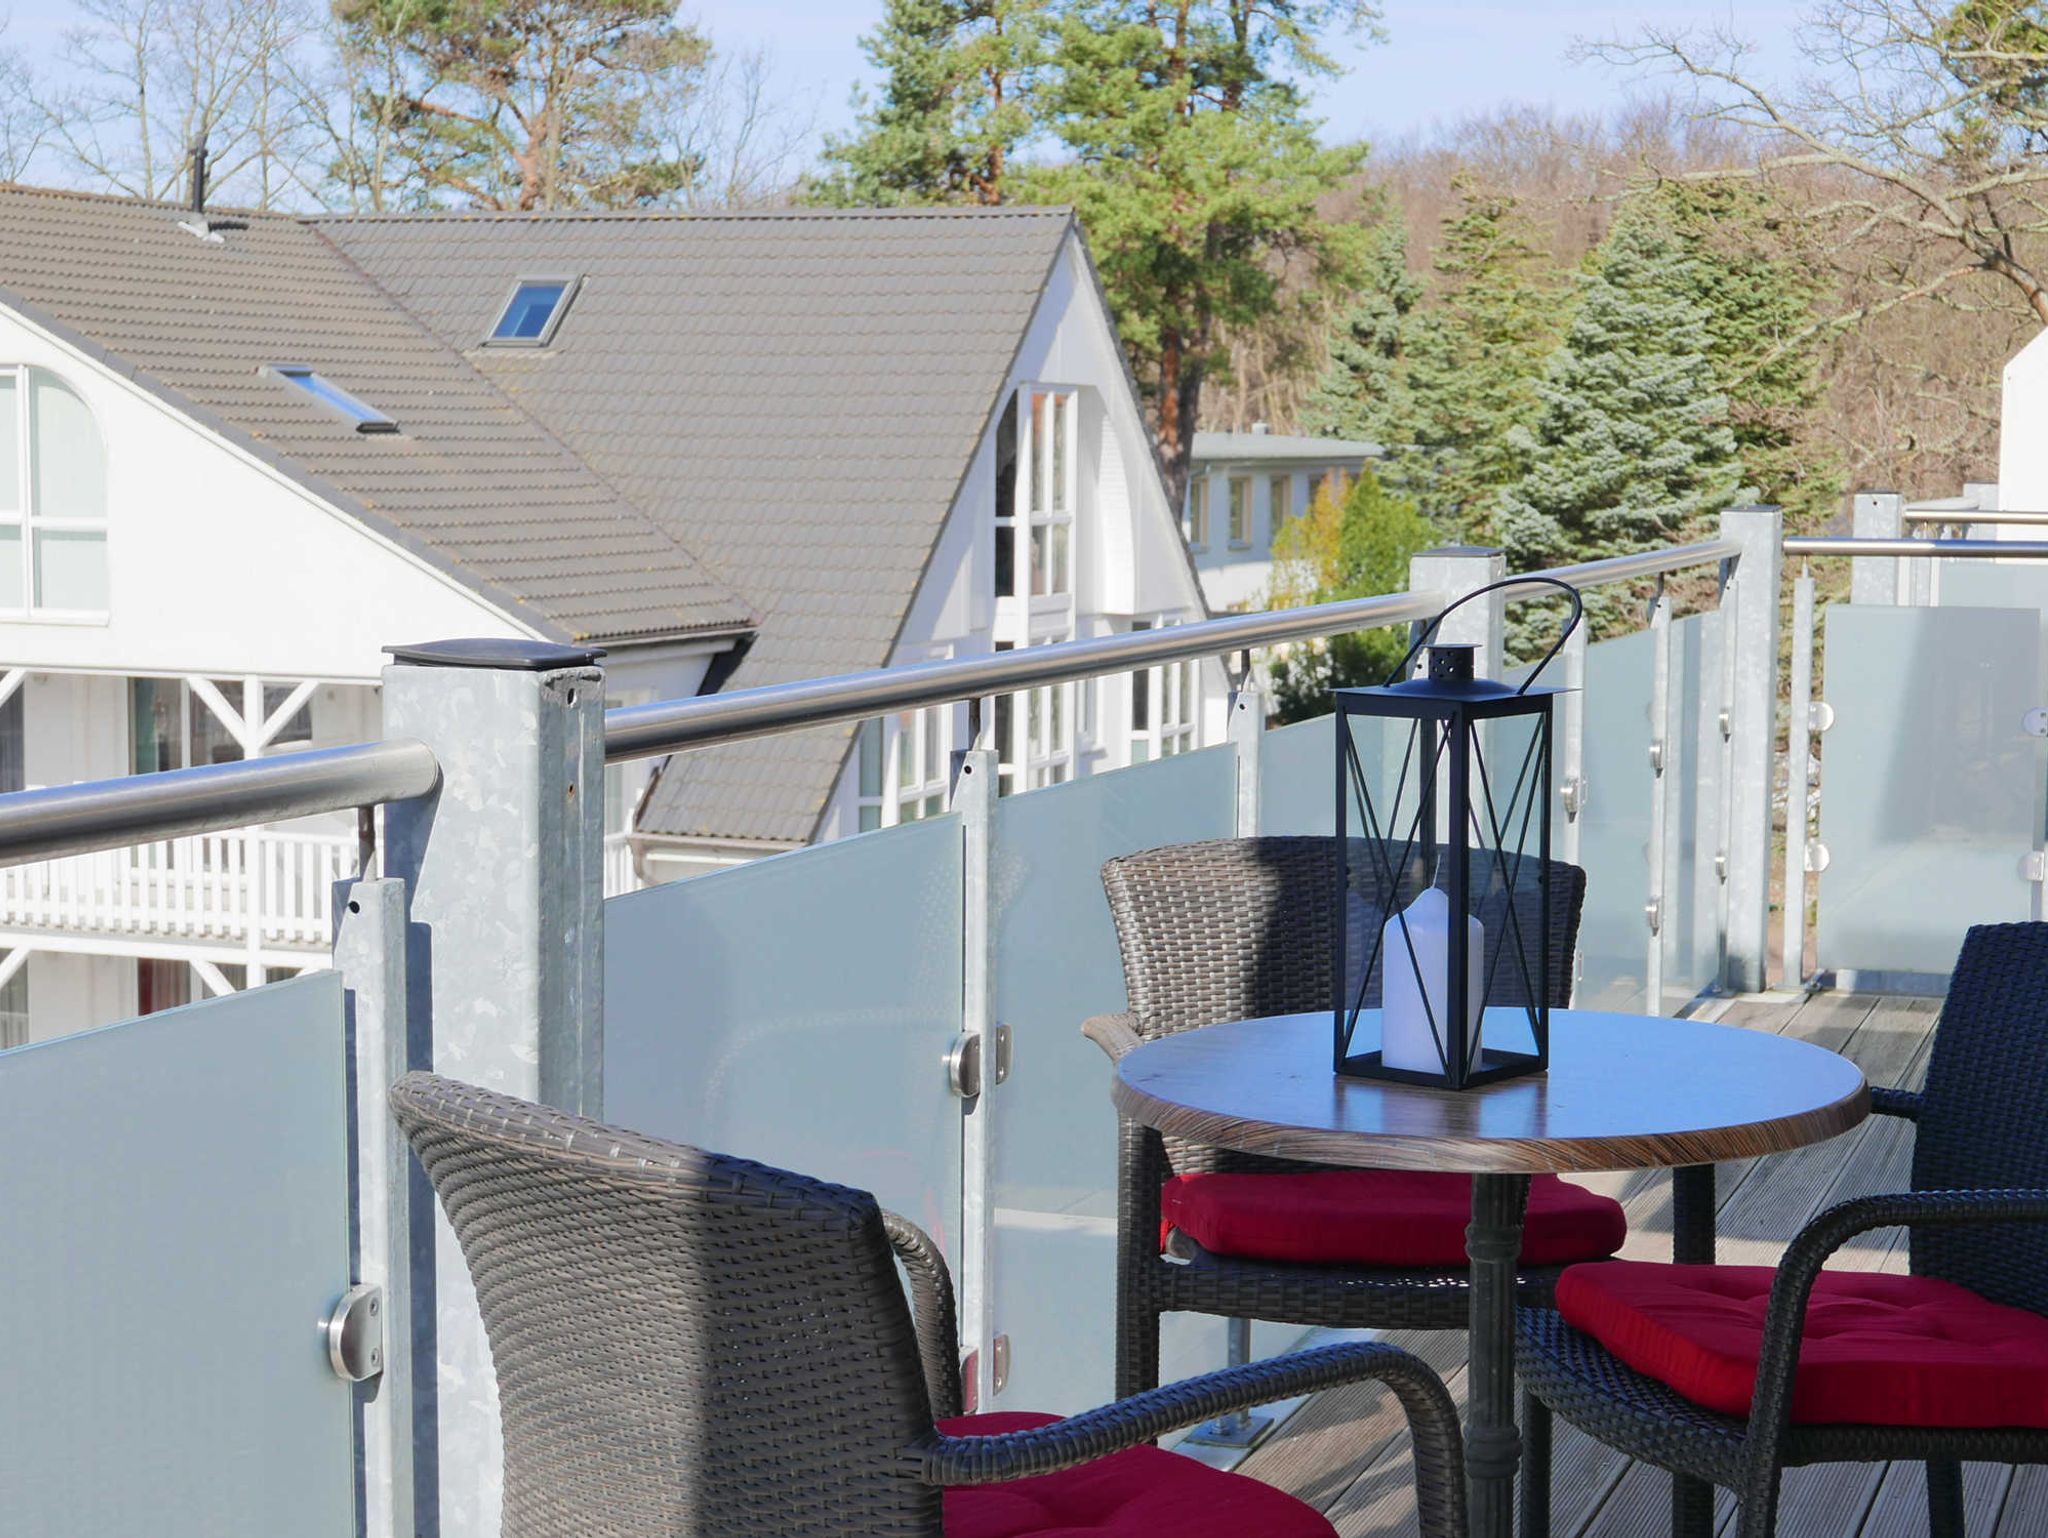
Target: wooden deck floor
(1345, 1453)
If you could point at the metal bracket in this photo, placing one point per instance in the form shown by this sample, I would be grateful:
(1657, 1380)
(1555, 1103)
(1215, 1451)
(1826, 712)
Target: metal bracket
(1820, 715)
(1657, 756)
(2034, 865)
(1572, 793)
(355, 1334)
(1721, 866)
(1727, 723)
(2035, 722)
(1002, 1055)
(963, 1065)
(1817, 857)
(1653, 910)
(1001, 1363)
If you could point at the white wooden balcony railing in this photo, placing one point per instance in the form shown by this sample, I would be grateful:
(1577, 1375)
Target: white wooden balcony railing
(208, 887)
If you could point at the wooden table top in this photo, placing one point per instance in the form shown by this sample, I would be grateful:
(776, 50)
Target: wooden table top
(1623, 1092)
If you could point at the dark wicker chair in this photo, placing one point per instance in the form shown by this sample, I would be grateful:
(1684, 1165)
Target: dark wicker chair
(688, 1344)
(1235, 929)
(1977, 1216)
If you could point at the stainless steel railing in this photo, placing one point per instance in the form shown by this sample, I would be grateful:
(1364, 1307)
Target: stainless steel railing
(640, 731)
(106, 814)
(1964, 549)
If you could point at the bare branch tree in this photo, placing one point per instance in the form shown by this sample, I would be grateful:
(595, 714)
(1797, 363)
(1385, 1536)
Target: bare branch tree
(743, 132)
(1927, 121)
(153, 77)
(24, 121)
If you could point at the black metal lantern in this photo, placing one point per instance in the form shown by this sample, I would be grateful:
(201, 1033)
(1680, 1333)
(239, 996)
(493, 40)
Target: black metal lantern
(1445, 966)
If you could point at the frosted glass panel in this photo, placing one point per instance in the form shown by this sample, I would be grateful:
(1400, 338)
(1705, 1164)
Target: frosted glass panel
(69, 466)
(175, 1225)
(1057, 964)
(1298, 779)
(1694, 808)
(10, 443)
(796, 1010)
(1978, 584)
(71, 569)
(1930, 785)
(1614, 827)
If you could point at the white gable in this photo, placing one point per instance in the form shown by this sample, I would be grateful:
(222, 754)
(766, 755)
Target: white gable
(2023, 435)
(218, 563)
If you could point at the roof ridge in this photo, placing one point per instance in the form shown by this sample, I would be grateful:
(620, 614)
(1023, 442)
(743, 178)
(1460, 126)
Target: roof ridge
(158, 205)
(682, 215)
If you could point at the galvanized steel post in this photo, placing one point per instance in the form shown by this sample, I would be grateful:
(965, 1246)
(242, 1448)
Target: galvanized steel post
(1752, 735)
(1876, 578)
(1661, 786)
(1798, 782)
(975, 791)
(504, 863)
(369, 953)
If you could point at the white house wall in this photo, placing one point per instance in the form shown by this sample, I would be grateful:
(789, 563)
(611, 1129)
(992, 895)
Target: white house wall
(1129, 556)
(2023, 436)
(217, 564)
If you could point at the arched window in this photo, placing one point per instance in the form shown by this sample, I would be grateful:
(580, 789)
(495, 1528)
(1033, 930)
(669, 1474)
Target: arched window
(53, 498)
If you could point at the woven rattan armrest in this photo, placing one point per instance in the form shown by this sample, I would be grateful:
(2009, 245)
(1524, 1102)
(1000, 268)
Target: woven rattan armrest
(1896, 1102)
(1143, 1418)
(1785, 1318)
(1115, 1034)
(931, 1307)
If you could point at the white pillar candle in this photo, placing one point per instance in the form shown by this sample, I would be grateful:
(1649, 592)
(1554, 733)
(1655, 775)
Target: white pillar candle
(1417, 991)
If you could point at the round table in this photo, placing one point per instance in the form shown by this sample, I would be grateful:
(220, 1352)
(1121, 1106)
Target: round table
(1622, 1092)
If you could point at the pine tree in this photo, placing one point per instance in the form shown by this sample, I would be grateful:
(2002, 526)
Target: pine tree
(955, 104)
(1474, 358)
(1354, 548)
(1761, 289)
(1631, 445)
(1363, 393)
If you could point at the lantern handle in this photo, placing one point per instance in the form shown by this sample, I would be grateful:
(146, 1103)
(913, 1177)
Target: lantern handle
(1564, 631)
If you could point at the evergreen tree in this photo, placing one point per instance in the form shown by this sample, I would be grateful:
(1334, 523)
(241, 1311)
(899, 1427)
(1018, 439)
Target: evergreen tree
(1363, 393)
(1631, 446)
(1760, 290)
(1473, 362)
(1444, 384)
(955, 104)
(1356, 547)
(1197, 173)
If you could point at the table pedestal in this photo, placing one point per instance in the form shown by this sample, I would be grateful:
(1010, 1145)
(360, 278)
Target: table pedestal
(1493, 1447)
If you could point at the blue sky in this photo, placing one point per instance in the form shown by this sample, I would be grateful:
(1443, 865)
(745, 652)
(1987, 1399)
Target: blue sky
(1444, 60)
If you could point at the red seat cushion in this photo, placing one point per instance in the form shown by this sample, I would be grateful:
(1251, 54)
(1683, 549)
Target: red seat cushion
(1144, 1492)
(1406, 1218)
(1878, 1350)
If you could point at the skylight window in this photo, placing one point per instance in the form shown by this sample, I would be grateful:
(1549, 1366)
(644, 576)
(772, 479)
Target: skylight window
(367, 418)
(532, 313)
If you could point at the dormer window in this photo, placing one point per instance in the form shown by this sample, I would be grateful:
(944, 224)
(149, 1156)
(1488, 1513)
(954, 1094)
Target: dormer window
(367, 418)
(532, 312)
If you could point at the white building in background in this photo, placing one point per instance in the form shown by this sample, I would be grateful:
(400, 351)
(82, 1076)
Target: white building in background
(1242, 488)
(241, 455)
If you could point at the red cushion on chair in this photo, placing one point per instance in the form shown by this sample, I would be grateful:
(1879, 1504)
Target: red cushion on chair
(1406, 1218)
(1144, 1492)
(1879, 1350)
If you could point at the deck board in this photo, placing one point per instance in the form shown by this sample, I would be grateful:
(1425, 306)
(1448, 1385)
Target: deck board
(1345, 1452)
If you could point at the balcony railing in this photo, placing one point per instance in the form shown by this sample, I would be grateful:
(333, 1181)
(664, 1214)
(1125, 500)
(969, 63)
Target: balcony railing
(799, 1009)
(272, 887)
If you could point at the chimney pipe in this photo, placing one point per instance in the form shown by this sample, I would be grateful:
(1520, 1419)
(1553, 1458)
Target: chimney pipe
(197, 160)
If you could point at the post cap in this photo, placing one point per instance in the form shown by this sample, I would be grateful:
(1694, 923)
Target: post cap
(504, 653)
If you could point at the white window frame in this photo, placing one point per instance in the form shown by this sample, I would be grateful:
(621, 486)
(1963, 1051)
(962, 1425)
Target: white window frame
(1047, 491)
(571, 282)
(916, 766)
(1279, 502)
(31, 524)
(1198, 512)
(1237, 492)
(1171, 720)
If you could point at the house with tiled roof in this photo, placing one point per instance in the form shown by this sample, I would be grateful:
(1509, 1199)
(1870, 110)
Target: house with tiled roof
(242, 453)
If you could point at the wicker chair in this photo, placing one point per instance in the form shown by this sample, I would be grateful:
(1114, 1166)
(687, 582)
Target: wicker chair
(1977, 1222)
(690, 1344)
(1234, 929)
